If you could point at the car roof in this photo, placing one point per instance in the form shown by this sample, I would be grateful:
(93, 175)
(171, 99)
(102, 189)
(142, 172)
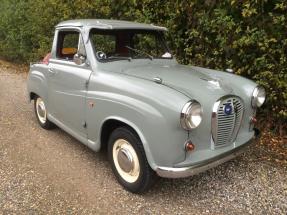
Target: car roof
(109, 24)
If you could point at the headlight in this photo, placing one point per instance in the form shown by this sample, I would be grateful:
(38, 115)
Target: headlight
(191, 115)
(258, 97)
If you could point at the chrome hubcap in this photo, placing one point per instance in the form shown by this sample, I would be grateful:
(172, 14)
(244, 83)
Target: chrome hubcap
(41, 110)
(126, 160)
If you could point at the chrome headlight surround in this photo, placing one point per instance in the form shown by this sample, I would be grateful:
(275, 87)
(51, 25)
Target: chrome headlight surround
(191, 115)
(258, 97)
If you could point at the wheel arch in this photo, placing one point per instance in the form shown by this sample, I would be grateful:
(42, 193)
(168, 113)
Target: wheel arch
(32, 96)
(111, 123)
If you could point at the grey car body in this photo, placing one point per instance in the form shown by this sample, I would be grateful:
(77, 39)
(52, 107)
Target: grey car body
(89, 99)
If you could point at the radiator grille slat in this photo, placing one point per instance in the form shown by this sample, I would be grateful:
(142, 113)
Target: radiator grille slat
(225, 126)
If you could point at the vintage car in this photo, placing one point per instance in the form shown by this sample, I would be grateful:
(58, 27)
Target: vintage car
(115, 85)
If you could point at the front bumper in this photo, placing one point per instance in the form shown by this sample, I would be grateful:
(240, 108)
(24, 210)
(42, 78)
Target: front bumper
(182, 172)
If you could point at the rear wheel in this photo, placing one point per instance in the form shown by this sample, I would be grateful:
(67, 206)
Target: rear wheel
(41, 113)
(128, 160)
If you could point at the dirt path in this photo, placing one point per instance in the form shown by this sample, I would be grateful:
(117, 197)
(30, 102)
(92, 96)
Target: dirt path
(49, 172)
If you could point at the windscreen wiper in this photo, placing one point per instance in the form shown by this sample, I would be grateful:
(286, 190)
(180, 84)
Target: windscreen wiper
(140, 52)
(119, 58)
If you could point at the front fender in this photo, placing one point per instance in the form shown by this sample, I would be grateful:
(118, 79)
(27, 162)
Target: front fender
(138, 131)
(154, 116)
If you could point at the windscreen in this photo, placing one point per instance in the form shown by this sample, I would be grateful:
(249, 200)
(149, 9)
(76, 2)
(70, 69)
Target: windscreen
(122, 44)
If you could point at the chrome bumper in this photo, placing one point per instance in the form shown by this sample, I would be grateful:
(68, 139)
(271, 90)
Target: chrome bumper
(170, 172)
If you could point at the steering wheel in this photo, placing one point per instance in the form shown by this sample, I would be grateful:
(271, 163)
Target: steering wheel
(101, 55)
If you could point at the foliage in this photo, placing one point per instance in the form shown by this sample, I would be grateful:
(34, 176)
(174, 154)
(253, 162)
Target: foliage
(246, 35)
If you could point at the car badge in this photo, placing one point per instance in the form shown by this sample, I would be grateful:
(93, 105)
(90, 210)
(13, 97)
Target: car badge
(228, 109)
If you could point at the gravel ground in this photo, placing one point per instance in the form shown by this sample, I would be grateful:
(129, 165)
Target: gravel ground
(49, 172)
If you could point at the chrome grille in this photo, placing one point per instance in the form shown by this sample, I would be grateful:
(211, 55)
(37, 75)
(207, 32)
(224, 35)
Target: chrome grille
(225, 125)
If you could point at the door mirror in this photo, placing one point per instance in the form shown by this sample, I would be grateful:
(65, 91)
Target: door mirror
(79, 59)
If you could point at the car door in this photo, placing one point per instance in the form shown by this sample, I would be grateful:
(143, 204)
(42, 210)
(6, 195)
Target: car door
(68, 82)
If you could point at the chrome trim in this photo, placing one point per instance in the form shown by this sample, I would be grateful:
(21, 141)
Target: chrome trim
(229, 70)
(79, 59)
(236, 121)
(184, 113)
(182, 172)
(255, 96)
(157, 80)
(214, 122)
(125, 159)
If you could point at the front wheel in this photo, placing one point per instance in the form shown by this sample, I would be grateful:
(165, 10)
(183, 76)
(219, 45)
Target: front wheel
(41, 113)
(128, 160)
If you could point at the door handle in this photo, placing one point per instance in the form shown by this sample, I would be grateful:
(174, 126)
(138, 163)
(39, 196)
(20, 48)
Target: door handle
(52, 71)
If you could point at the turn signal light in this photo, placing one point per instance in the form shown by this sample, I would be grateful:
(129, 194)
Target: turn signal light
(189, 146)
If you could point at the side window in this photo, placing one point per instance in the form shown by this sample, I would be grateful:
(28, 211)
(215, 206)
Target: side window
(68, 43)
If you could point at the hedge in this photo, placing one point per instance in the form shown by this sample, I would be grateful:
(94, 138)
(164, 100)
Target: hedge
(248, 36)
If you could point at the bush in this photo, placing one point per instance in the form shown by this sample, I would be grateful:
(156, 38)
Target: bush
(247, 36)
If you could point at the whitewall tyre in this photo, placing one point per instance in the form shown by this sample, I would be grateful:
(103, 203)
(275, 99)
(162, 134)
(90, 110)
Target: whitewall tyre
(41, 113)
(128, 161)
